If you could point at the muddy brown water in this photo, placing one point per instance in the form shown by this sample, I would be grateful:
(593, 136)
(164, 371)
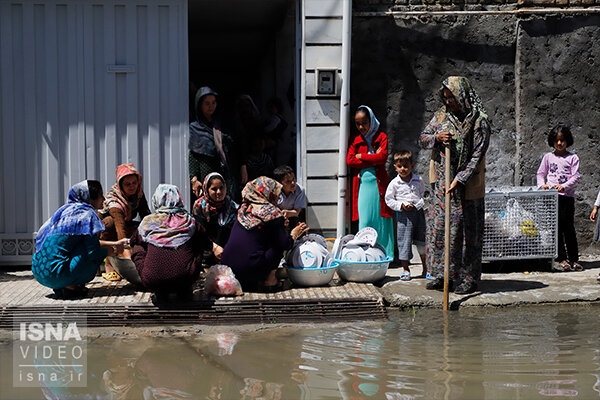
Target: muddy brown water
(517, 353)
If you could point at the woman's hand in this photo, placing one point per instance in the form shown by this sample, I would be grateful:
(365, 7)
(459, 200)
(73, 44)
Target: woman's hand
(243, 175)
(196, 186)
(120, 247)
(452, 187)
(545, 187)
(299, 230)
(594, 214)
(560, 188)
(217, 251)
(358, 156)
(443, 137)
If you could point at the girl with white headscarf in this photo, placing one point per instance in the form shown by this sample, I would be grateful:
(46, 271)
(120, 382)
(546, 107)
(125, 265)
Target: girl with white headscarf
(367, 156)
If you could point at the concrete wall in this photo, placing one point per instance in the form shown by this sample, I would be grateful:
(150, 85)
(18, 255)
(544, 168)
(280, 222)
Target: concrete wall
(558, 61)
(530, 71)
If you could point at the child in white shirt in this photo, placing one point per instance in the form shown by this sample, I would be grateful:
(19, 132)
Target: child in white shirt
(404, 195)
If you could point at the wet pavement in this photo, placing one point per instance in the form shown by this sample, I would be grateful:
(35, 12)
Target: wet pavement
(499, 289)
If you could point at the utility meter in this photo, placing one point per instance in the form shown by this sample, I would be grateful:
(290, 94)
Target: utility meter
(326, 81)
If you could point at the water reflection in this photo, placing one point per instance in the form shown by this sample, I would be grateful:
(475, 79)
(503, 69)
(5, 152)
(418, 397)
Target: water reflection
(470, 354)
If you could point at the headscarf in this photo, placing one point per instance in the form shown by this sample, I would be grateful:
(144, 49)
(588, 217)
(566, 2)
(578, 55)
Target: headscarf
(206, 208)
(254, 113)
(116, 197)
(472, 109)
(259, 202)
(77, 217)
(170, 225)
(205, 137)
(373, 127)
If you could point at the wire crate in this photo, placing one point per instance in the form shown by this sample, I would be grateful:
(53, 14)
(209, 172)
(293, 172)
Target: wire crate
(521, 222)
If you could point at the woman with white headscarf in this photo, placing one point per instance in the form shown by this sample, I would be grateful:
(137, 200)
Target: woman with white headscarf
(367, 156)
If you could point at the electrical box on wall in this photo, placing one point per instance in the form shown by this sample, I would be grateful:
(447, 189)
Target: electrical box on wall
(326, 81)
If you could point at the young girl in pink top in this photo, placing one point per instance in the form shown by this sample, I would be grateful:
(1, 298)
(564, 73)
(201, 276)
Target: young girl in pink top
(559, 169)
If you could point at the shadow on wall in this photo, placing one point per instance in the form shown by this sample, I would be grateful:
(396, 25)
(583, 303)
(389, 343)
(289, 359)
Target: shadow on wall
(399, 64)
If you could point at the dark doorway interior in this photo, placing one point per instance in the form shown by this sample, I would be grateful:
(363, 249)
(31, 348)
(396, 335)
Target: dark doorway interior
(243, 46)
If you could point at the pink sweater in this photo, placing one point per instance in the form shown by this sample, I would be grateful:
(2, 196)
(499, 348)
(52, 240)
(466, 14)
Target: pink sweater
(555, 170)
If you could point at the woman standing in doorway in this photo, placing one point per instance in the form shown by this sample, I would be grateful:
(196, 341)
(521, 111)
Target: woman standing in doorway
(367, 156)
(208, 145)
(461, 123)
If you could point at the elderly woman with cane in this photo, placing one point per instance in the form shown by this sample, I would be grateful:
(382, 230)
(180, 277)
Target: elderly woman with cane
(461, 126)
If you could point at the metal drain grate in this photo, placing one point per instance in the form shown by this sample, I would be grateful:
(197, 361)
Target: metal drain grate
(119, 304)
(195, 313)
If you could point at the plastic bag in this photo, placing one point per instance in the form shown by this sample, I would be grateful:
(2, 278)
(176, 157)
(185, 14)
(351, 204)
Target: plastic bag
(518, 221)
(221, 281)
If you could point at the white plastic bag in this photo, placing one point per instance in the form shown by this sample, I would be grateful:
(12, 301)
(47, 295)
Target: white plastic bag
(519, 222)
(221, 281)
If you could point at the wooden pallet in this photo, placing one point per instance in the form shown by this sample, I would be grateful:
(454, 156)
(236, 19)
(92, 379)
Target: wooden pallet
(120, 304)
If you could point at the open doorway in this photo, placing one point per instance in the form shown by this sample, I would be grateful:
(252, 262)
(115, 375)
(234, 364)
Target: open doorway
(246, 47)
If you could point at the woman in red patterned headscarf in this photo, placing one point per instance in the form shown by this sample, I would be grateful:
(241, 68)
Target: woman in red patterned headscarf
(123, 203)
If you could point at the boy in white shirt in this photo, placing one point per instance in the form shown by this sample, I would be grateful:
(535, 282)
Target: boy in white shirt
(292, 200)
(404, 195)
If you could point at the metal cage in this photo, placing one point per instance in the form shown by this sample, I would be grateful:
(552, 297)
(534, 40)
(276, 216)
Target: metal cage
(521, 222)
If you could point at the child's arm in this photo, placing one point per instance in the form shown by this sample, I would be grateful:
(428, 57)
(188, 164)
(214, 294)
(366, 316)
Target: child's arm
(390, 196)
(594, 213)
(354, 162)
(575, 175)
(381, 153)
(420, 192)
(292, 213)
(541, 173)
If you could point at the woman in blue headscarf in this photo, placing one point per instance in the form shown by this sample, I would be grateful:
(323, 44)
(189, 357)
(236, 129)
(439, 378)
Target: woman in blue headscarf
(367, 156)
(68, 250)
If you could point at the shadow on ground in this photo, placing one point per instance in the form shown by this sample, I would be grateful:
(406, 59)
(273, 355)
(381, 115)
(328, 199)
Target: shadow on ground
(6, 276)
(499, 286)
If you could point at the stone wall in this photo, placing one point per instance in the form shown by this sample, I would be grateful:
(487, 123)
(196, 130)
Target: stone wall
(531, 72)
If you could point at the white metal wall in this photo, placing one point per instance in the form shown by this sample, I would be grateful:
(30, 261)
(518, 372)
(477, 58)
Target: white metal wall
(85, 86)
(322, 49)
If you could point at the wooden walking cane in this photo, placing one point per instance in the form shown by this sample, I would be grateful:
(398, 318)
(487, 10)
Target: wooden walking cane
(446, 229)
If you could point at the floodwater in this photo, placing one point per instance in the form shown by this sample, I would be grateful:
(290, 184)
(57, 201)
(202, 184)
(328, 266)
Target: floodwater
(517, 353)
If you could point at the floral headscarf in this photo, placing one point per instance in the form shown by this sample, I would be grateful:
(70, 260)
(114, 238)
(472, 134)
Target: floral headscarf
(77, 217)
(470, 106)
(206, 208)
(170, 225)
(373, 127)
(259, 202)
(116, 198)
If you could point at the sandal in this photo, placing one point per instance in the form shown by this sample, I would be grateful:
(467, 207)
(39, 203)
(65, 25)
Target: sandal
(576, 266)
(405, 276)
(111, 276)
(562, 266)
(429, 277)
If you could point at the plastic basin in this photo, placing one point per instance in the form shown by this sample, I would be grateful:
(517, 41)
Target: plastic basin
(312, 276)
(364, 271)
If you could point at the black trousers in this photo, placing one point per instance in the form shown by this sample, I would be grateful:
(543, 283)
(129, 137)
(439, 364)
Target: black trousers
(566, 230)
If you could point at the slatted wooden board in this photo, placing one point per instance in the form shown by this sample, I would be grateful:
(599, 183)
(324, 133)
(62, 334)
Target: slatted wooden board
(120, 304)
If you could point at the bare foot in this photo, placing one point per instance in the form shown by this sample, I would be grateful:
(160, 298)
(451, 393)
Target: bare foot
(109, 268)
(271, 279)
